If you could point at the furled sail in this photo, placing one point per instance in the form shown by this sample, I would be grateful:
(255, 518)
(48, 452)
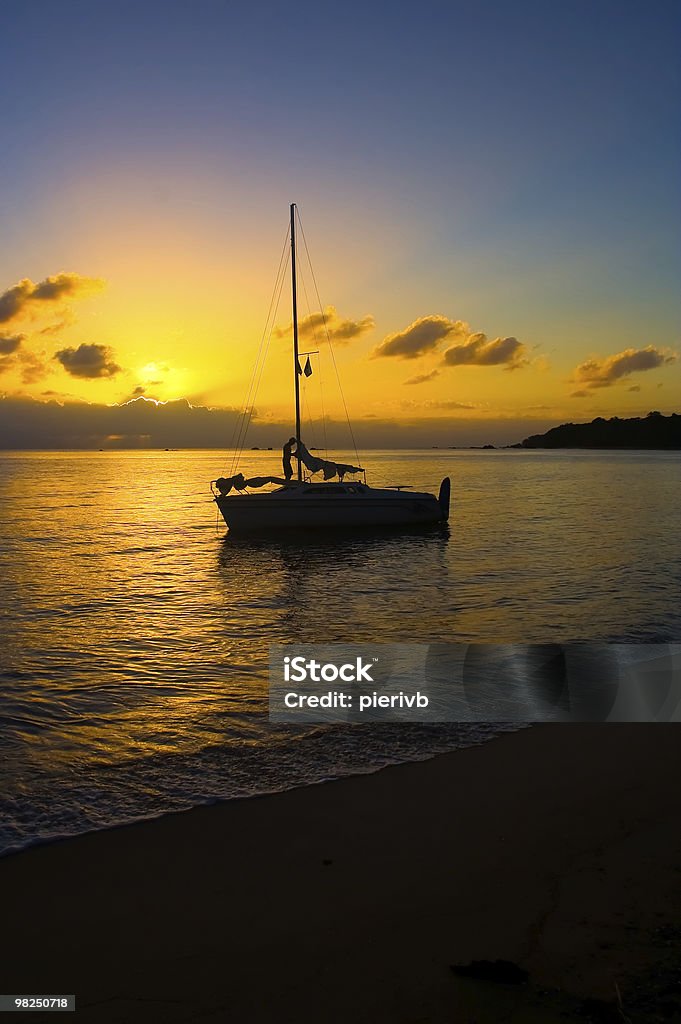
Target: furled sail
(315, 465)
(240, 483)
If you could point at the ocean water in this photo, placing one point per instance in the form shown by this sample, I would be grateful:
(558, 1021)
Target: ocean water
(134, 631)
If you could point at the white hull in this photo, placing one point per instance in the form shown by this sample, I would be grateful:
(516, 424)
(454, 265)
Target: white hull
(322, 506)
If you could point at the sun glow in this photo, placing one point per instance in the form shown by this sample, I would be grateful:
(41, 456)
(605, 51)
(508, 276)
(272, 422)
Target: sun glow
(181, 319)
(143, 398)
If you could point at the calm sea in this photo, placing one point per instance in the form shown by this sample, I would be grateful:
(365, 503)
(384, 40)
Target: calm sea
(134, 632)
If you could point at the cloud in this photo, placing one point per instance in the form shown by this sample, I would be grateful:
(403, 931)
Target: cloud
(452, 405)
(603, 373)
(33, 366)
(137, 392)
(141, 422)
(422, 336)
(447, 405)
(634, 387)
(27, 423)
(476, 350)
(68, 320)
(579, 394)
(91, 361)
(317, 326)
(27, 298)
(9, 343)
(421, 378)
(470, 349)
(13, 356)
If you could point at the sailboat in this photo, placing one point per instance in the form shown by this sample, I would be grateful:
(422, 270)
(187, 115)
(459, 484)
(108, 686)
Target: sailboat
(304, 503)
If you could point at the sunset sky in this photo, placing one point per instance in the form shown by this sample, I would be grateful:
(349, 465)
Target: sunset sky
(490, 193)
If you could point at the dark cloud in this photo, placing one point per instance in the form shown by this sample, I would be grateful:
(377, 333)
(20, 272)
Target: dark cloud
(91, 361)
(579, 394)
(28, 298)
(422, 378)
(446, 404)
(68, 320)
(13, 356)
(142, 423)
(422, 336)
(476, 350)
(143, 389)
(9, 343)
(14, 299)
(603, 373)
(452, 405)
(317, 326)
(470, 348)
(634, 387)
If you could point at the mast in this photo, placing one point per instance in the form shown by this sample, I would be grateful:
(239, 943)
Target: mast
(295, 331)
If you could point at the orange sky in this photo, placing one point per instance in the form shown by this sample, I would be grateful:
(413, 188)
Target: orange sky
(502, 232)
(168, 311)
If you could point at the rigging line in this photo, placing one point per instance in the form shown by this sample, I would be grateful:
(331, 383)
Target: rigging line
(307, 409)
(301, 277)
(307, 303)
(264, 359)
(319, 361)
(321, 396)
(240, 438)
(249, 412)
(258, 368)
(328, 338)
(240, 418)
(241, 422)
(307, 416)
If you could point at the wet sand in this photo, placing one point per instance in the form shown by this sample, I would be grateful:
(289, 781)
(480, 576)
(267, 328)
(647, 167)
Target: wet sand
(557, 848)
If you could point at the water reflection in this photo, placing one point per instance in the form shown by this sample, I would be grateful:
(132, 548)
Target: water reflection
(354, 538)
(135, 633)
(351, 586)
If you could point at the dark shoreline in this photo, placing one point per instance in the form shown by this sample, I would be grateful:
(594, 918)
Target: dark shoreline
(653, 432)
(555, 848)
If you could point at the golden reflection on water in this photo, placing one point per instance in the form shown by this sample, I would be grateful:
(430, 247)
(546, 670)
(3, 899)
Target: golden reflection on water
(132, 625)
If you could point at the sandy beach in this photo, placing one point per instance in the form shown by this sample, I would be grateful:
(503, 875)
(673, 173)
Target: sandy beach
(556, 848)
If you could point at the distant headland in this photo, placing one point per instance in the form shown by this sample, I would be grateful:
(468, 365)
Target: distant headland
(651, 431)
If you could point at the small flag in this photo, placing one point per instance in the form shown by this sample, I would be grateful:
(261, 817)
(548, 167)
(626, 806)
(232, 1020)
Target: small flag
(298, 367)
(308, 368)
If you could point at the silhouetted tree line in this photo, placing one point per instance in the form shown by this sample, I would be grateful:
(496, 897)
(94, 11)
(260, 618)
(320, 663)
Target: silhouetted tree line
(651, 431)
